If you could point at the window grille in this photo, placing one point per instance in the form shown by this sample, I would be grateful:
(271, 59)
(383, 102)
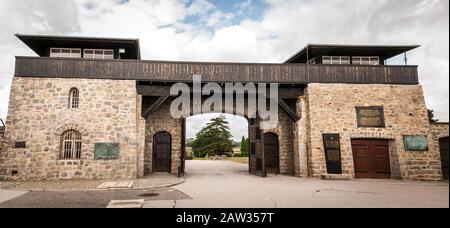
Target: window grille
(74, 98)
(336, 60)
(65, 52)
(71, 145)
(366, 60)
(98, 54)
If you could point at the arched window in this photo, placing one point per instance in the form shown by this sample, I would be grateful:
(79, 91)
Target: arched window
(71, 145)
(74, 98)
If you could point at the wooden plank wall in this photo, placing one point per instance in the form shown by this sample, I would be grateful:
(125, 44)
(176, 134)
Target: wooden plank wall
(213, 72)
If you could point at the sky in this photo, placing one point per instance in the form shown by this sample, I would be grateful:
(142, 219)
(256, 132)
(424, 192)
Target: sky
(239, 31)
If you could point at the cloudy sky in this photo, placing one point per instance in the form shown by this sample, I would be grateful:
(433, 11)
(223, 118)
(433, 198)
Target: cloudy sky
(238, 30)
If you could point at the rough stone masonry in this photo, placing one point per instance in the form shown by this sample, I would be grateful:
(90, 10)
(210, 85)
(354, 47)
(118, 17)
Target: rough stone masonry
(110, 111)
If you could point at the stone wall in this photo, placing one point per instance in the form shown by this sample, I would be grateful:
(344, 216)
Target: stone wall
(39, 115)
(440, 130)
(331, 109)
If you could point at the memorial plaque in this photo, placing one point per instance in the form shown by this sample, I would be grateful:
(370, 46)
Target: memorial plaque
(106, 151)
(332, 147)
(415, 142)
(334, 155)
(370, 116)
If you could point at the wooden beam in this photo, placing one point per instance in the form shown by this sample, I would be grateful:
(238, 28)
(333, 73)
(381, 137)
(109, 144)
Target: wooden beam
(291, 113)
(153, 90)
(155, 106)
(161, 90)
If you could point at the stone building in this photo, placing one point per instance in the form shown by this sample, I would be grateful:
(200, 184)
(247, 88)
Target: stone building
(90, 108)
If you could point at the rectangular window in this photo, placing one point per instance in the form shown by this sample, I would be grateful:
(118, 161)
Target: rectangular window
(336, 60)
(370, 117)
(65, 53)
(366, 60)
(98, 54)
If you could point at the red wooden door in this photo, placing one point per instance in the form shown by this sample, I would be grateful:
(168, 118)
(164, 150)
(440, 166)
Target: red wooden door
(162, 152)
(371, 158)
(443, 145)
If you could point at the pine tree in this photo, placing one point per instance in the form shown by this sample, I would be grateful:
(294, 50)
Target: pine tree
(244, 146)
(214, 139)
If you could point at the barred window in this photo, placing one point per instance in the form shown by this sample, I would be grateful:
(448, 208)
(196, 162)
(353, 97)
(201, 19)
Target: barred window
(71, 145)
(74, 98)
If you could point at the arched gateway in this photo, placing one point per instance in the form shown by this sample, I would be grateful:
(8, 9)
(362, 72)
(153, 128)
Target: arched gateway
(343, 91)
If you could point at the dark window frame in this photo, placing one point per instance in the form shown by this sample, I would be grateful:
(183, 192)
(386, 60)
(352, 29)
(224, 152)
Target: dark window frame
(378, 108)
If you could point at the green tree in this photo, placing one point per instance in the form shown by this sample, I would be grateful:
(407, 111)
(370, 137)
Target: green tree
(214, 139)
(431, 116)
(244, 146)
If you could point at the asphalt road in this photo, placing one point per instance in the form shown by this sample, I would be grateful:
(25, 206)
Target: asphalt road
(85, 199)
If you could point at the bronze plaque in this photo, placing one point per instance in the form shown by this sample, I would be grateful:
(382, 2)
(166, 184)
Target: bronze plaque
(370, 116)
(415, 142)
(332, 145)
(334, 155)
(106, 151)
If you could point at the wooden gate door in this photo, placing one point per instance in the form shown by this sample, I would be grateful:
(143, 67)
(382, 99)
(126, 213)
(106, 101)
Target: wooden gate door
(443, 145)
(257, 159)
(271, 150)
(371, 158)
(162, 152)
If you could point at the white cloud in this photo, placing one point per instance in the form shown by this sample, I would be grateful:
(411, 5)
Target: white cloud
(286, 26)
(245, 6)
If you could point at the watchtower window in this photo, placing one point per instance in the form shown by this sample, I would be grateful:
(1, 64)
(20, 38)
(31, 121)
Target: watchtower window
(98, 54)
(338, 60)
(372, 60)
(65, 53)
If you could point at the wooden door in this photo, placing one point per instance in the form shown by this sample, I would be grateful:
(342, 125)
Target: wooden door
(162, 152)
(371, 158)
(257, 156)
(443, 145)
(271, 150)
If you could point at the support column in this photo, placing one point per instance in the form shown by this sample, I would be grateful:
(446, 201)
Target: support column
(302, 131)
(140, 137)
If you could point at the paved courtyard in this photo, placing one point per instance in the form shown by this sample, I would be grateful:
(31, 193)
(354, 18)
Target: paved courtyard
(220, 184)
(227, 184)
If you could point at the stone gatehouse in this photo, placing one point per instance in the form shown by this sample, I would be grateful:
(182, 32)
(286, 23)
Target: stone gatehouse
(90, 108)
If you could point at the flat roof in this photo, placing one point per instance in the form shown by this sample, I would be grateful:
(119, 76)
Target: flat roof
(382, 51)
(40, 44)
